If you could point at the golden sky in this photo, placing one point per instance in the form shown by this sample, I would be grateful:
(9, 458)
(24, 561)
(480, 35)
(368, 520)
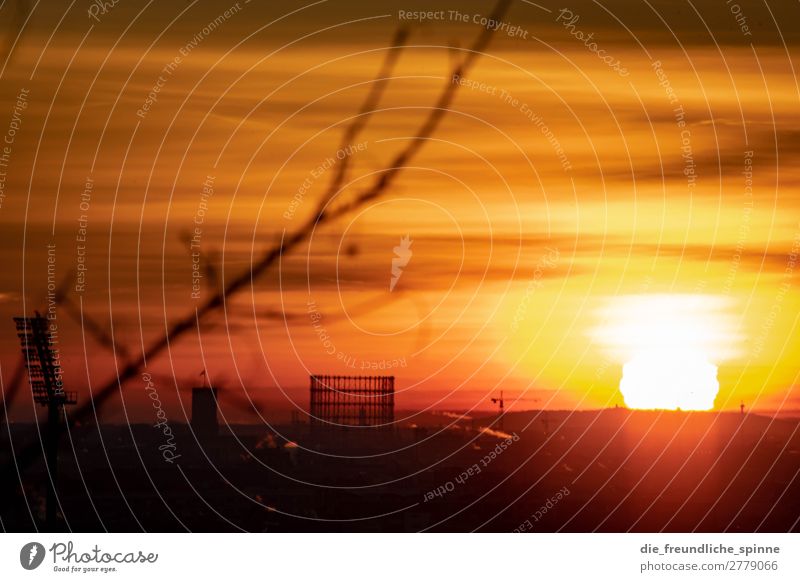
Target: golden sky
(556, 190)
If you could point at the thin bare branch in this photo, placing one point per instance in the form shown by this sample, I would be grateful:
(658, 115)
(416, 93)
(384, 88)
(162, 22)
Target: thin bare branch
(270, 258)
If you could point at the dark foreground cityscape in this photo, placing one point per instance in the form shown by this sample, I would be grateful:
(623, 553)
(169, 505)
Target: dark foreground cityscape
(612, 470)
(504, 266)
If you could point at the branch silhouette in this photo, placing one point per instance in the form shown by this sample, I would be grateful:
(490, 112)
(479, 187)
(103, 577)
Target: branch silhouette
(322, 215)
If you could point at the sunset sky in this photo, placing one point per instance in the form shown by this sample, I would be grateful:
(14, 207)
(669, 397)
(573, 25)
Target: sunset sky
(559, 196)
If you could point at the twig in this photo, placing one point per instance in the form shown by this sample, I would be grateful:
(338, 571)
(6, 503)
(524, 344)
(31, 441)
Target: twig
(429, 125)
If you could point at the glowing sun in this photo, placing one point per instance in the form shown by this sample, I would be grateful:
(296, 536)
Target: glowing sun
(666, 344)
(669, 380)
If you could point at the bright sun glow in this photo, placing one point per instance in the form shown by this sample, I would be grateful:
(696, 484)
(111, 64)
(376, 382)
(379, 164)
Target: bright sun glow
(667, 344)
(669, 380)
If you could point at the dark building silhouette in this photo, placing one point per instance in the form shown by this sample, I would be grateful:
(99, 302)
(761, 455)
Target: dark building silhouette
(204, 412)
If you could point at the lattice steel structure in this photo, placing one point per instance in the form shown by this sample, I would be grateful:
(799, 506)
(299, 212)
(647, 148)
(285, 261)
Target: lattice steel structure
(41, 360)
(340, 402)
(39, 348)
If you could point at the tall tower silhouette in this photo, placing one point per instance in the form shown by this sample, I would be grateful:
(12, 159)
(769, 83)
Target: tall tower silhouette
(39, 344)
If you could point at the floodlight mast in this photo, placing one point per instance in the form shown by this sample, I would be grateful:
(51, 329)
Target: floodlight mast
(39, 348)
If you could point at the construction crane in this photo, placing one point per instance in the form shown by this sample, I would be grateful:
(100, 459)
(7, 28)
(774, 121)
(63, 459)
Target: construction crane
(39, 344)
(502, 403)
